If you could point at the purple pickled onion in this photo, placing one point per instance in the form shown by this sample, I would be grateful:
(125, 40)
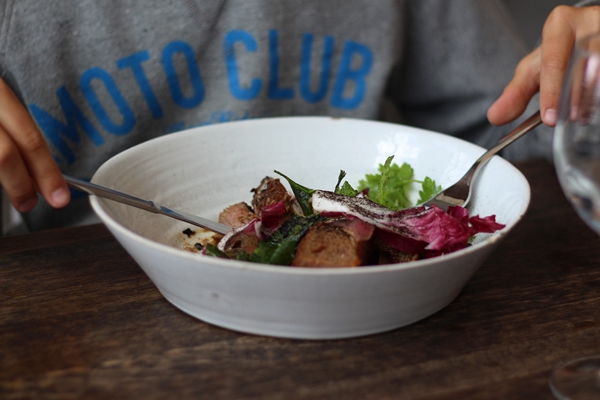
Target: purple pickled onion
(270, 218)
(269, 221)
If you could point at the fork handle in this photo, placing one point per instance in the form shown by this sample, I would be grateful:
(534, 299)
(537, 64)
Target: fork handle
(146, 205)
(460, 192)
(513, 135)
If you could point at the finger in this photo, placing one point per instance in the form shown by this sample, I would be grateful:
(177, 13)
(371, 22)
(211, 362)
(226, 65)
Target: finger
(519, 91)
(14, 177)
(35, 154)
(558, 38)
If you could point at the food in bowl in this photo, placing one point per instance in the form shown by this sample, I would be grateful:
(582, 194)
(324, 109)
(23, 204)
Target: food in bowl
(204, 169)
(343, 228)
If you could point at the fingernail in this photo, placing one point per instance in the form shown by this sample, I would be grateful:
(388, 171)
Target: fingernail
(60, 197)
(550, 117)
(27, 205)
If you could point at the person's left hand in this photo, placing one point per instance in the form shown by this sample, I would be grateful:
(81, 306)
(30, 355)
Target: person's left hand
(544, 69)
(26, 163)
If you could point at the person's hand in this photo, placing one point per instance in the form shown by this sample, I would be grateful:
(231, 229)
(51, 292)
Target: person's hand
(26, 164)
(544, 69)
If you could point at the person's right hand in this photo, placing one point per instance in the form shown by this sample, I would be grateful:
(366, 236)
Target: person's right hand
(544, 69)
(26, 164)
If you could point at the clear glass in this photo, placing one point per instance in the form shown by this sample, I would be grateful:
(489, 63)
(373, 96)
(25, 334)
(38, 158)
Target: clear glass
(577, 162)
(577, 379)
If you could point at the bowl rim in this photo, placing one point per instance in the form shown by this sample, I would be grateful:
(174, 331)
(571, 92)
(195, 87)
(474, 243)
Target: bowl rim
(112, 224)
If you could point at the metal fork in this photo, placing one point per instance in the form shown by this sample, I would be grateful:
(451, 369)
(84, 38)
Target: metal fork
(459, 194)
(111, 194)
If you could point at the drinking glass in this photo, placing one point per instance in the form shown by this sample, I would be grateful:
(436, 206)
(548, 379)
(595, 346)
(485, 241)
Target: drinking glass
(577, 161)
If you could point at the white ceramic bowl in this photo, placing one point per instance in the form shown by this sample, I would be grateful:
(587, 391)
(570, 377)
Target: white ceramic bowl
(205, 169)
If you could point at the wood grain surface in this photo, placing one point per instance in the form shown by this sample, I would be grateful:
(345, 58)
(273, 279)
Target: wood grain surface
(79, 319)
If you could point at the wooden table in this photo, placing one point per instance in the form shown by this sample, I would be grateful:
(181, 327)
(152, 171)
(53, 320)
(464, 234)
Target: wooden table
(79, 319)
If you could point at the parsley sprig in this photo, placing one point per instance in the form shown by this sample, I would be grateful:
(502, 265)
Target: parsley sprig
(390, 187)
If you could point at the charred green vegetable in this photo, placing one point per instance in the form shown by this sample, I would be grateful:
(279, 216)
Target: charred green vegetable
(280, 247)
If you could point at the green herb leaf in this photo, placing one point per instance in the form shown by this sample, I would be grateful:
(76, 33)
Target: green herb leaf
(212, 251)
(390, 187)
(428, 190)
(396, 183)
(347, 190)
(341, 176)
(385, 176)
(263, 253)
(302, 193)
(276, 254)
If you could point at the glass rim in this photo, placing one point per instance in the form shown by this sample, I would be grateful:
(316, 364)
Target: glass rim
(576, 359)
(556, 390)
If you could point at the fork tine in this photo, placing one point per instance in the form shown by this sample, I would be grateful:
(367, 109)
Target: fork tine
(459, 194)
(452, 196)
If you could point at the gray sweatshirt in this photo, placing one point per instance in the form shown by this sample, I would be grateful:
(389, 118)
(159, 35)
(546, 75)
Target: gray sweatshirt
(101, 76)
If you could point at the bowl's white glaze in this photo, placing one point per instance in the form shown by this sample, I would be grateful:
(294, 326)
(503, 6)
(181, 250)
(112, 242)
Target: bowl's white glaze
(205, 169)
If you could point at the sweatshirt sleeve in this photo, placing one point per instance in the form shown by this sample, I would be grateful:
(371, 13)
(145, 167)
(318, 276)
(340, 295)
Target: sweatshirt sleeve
(458, 57)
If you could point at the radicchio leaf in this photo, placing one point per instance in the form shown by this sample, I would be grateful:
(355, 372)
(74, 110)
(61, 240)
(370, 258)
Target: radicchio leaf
(413, 229)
